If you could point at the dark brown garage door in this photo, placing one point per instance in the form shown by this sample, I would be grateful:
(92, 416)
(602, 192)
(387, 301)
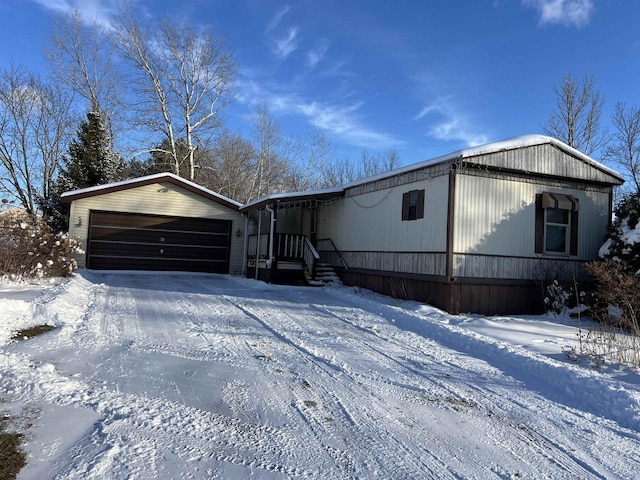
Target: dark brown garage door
(127, 241)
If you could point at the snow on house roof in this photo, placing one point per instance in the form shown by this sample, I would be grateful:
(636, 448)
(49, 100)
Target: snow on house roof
(504, 145)
(149, 179)
(293, 196)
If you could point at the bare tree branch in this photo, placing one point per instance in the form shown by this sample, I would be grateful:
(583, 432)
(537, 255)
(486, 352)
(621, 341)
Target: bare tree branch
(35, 125)
(81, 58)
(183, 78)
(625, 147)
(576, 119)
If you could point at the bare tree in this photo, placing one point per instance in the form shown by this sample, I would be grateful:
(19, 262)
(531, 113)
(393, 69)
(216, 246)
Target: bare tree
(576, 119)
(232, 168)
(182, 79)
(275, 155)
(35, 125)
(374, 164)
(81, 58)
(625, 147)
(341, 172)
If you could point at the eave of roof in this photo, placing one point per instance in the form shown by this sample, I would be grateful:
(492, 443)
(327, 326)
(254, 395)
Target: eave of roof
(503, 145)
(68, 197)
(276, 198)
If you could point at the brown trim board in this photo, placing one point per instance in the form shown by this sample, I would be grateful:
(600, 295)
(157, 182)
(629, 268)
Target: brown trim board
(450, 218)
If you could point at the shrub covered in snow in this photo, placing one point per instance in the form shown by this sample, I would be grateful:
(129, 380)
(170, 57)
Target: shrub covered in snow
(623, 239)
(616, 300)
(618, 273)
(30, 249)
(557, 299)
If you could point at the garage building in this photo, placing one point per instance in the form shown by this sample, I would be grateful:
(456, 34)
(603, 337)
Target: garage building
(157, 222)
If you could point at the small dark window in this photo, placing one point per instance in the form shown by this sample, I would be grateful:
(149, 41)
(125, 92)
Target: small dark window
(413, 205)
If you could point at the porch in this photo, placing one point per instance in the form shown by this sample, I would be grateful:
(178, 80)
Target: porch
(281, 241)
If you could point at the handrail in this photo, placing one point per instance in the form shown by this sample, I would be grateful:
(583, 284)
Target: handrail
(312, 248)
(292, 246)
(311, 257)
(335, 249)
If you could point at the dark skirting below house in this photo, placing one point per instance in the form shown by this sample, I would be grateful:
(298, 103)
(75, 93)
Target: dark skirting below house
(468, 295)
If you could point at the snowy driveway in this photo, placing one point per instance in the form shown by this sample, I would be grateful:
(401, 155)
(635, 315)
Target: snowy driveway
(206, 376)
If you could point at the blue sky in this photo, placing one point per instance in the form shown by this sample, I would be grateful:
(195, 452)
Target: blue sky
(422, 77)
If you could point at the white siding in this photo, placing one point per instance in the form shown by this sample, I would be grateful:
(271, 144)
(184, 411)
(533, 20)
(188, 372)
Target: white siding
(372, 221)
(496, 217)
(158, 199)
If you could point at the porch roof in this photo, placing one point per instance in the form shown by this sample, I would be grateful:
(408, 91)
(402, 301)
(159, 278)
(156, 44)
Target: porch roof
(293, 197)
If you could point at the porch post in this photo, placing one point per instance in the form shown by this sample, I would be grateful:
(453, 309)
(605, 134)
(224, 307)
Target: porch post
(245, 247)
(272, 231)
(258, 243)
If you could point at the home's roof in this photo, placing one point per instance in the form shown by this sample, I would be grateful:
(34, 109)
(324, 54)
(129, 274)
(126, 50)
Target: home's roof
(325, 194)
(275, 198)
(504, 145)
(68, 197)
(509, 144)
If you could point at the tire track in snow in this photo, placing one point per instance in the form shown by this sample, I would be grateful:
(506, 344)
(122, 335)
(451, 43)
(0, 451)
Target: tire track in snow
(356, 355)
(552, 451)
(364, 420)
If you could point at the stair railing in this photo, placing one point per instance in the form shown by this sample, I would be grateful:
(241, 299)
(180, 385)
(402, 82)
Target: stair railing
(294, 247)
(333, 246)
(311, 257)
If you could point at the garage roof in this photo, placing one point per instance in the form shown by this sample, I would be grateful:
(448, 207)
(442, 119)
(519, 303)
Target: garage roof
(68, 197)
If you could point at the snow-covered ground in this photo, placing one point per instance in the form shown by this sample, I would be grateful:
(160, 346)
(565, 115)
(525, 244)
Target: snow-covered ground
(209, 376)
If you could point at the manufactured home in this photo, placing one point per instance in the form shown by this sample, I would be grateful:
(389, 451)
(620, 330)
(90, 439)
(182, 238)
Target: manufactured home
(478, 230)
(158, 222)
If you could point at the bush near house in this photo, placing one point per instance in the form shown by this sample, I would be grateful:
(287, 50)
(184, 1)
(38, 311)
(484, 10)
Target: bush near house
(30, 249)
(616, 301)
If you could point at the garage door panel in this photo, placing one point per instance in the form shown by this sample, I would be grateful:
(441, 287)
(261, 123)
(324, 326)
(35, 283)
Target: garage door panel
(123, 263)
(135, 241)
(132, 220)
(117, 234)
(151, 251)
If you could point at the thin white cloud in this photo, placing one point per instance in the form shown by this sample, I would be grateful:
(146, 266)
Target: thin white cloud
(277, 18)
(341, 121)
(449, 124)
(315, 55)
(575, 13)
(338, 69)
(98, 11)
(287, 45)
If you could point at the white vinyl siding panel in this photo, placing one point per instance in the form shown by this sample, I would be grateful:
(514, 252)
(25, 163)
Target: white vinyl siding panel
(497, 217)
(158, 199)
(373, 221)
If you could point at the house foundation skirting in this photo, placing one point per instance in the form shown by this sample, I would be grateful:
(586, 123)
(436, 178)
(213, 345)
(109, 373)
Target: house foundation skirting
(473, 295)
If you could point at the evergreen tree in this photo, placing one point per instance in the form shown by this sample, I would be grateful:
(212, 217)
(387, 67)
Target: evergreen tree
(90, 161)
(623, 239)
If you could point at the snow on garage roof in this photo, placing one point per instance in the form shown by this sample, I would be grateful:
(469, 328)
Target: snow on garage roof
(68, 197)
